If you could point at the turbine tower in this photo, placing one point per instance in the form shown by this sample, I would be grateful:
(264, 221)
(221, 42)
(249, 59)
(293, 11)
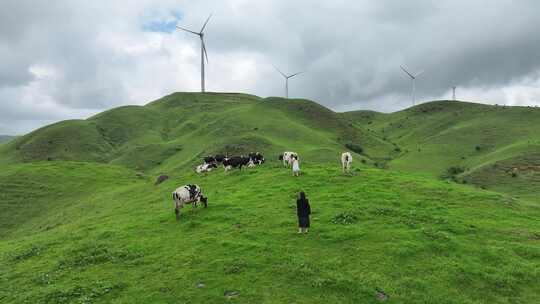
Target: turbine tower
(203, 48)
(287, 80)
(454, 93)
(413, 80)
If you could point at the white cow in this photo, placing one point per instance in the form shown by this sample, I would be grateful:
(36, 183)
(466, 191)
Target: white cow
(188, 194)
(205, 167)
(287, 158)
(346, 160)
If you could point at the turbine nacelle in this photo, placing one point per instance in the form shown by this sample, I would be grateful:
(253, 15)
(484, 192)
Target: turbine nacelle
(287, 77)
(413, 81)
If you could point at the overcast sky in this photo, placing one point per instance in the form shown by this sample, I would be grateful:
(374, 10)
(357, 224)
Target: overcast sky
(71, 59)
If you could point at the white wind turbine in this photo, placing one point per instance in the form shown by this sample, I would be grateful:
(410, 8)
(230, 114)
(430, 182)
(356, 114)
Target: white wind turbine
(287, 80)
(413, 80)
(203, 48)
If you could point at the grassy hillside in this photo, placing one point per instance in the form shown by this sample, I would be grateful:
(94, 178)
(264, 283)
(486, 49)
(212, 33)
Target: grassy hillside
(5, 138)
(487, 142)
(180, 128)
(81, 220)
(115, 239)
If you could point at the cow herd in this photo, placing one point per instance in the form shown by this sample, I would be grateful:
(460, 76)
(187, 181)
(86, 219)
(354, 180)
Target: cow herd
(192, 194)
(234, 162)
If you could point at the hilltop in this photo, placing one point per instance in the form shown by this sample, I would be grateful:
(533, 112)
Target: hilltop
(494, 147)
(178, 129)
(6, 138)
(81, 220)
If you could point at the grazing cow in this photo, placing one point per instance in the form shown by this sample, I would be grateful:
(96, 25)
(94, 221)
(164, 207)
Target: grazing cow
(346, 160)
(235, 162)
(205, 167)
(188, 194)
(256, 158)
(219, 158)
(287, 158)
(209, 160)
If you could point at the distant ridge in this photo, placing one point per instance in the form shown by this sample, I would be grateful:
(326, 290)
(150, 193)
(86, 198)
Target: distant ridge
(493, 147)
(6, 138)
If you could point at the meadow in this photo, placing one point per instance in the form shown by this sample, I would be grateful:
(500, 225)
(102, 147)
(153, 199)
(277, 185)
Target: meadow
(81, 220)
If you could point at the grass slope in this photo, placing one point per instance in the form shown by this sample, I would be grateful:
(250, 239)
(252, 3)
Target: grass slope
(111, 237)
(6, 138)
(178, 129)
(486, 141)
(82, 222)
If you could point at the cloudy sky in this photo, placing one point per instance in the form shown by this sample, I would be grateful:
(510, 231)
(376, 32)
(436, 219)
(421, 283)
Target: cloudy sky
(72, 58)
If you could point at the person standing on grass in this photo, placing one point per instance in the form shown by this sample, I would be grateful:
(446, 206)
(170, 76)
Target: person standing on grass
(303, 210)
(295, 166)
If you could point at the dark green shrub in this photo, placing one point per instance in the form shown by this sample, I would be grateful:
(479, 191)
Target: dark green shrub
(453, 172)
(355, 148)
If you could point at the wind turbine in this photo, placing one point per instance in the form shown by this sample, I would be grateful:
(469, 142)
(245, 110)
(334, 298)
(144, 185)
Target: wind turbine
(203, 48)
(287, 80)
(413, 80)
(454, 93)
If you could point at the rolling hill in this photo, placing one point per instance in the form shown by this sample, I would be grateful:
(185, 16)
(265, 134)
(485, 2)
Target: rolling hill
(6, 138)
(81, 220)
(178, 129)
(494, 147)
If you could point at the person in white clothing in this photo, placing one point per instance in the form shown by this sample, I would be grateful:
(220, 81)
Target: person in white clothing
(295, 166)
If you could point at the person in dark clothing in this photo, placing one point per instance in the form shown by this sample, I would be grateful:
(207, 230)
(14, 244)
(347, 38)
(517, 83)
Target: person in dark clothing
(303, 210)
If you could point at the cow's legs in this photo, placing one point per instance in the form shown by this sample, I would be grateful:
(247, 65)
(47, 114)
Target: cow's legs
(177, 210)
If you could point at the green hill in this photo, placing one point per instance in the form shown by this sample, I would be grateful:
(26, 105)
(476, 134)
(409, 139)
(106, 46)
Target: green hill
(180, 128)
(5, 138)
(81, 220)
(485, 142)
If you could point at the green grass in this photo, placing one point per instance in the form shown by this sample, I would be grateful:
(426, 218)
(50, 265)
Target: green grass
(116, 239)
(486, 140)
(81, 220)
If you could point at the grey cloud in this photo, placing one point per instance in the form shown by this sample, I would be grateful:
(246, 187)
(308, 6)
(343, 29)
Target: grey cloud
(351, 49)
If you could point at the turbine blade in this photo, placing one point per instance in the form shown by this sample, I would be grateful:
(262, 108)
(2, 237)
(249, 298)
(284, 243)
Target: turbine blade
(205, 23)
(279, 71)
(204, 50)
(418, 74)
(183, 29)
(292, 75)
(404, 70)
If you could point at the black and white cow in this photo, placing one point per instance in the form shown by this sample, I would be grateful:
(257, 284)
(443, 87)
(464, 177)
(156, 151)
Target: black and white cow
(212, 159)
(209, 160)
(235, 162)
(188, 194)
(219, 158)
(287, 158)
(256, 158)
(205, 167)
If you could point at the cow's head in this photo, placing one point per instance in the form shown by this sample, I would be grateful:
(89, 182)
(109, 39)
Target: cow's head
(281, 157)
(203, 199)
